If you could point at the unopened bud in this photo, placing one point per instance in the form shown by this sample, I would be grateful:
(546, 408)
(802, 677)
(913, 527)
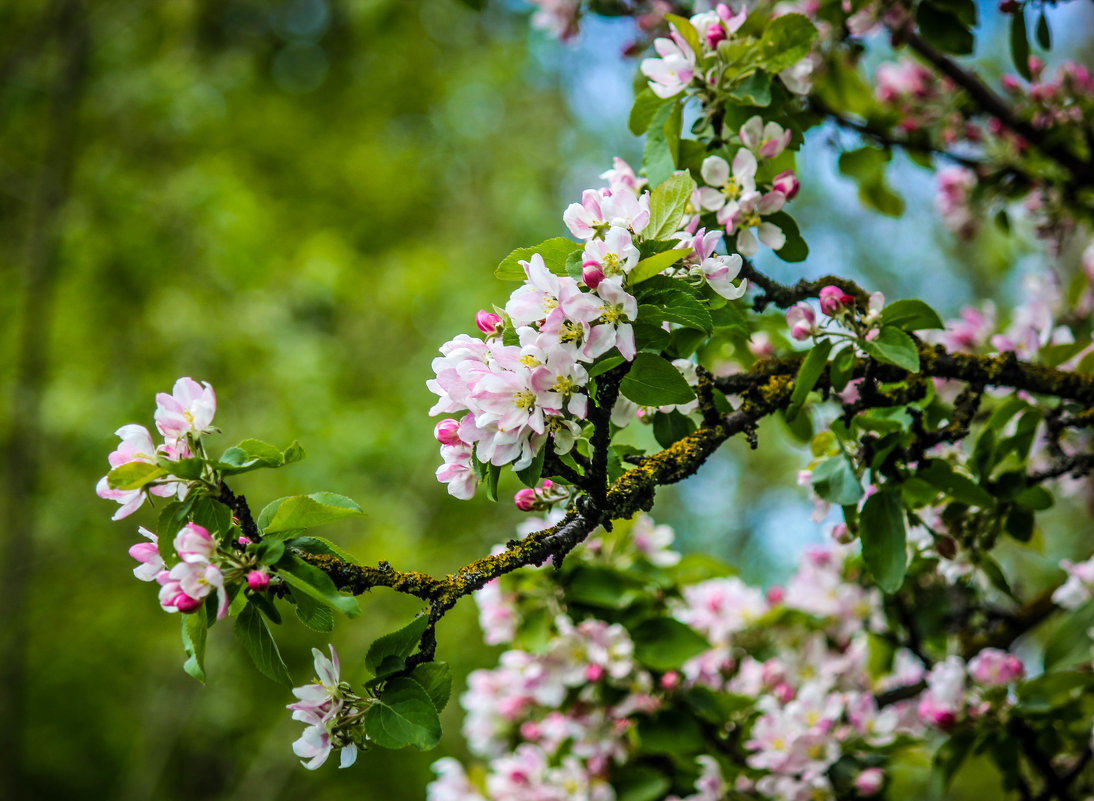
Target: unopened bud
(834, 301)
(488, 322)
(775, 594)
(593, 673)
(946, 547)
(787, 183)
(715, 34)
(801, 318)
(670, 681)
(185, 604)
(258, 580)
(447, 432)
(525, 499)
(842, 534)
(869, 782)
(244, 541)
(591, 274)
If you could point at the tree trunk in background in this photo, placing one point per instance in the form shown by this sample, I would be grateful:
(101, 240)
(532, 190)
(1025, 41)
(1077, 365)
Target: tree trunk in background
(23, 434)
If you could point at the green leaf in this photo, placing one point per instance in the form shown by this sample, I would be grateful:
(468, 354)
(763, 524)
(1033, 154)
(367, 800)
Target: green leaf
(667, 204)
(662, 142)
(1070, 642)
(188, 469)
(835, 481)
(755, 90)
(730, 318)
(306, 511)
(842, 369)
(260, 646)
(554, 251)
(1044, 35)
(493, 474)
(269, 551)
(211, 515)
(653, 265)
(171, 520)
(436, 680)
(795, 249)
(678, 307)
(867, 166)
(604, 364)
(653, 381)
(910, 315)
(883, 535)
(388, 654)
(1019, 43)
(893, 346)
(662, 643)
(645, 108)
(133, 475)
(639, 783)
(944, 30)
(313, 614)
(603, 587)
(938, 473)
(786, 40)
(530, 475)
(252, 454)
(671, 731)
(314, 582)
(313, 544)
(671, 427)
(687, 30)
(195, 628)
(403, 715)
(1036, 498)
(811, 369)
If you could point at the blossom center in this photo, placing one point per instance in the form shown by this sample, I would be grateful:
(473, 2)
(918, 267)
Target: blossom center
(525, 399)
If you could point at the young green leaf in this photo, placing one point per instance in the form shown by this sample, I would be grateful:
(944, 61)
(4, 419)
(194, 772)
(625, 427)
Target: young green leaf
(810, 370)
(884, 538)
(306, 511)
(313, 614)
(133, 475)
(653, 381)
(403, 715)
(298, 574)
(436, 680)
(662, 643)
(645, 108)
(654, 265)
(667, 203)
(554, 251)
(910, 315)
(195, 629)
(388, 654)
(893, 346)
(260, 646)
(835, 481)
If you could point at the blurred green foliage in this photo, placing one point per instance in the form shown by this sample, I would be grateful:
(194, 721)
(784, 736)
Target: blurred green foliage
(296, 202)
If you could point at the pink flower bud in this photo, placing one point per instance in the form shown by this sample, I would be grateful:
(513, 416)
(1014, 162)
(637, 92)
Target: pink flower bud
(775, 594)
(670, 681)
(787, 183)
(834, 301)
(244, 541)
(591, 274)
(1010, 83)
(784, 692)
(525, 499)
(995, 668)
(842, 534)
(715, 33)
(447, 432)
(547, 483)
(257, 580)
(529, 730)
(869, 782)
(593, 673)
(184, 603)
(801, 318)
(1036, 66)
(488, 322)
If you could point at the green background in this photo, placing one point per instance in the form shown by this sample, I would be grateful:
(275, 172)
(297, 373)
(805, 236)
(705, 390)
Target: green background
(297, 202)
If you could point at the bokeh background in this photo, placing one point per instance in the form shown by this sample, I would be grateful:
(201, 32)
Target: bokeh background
(297, 201)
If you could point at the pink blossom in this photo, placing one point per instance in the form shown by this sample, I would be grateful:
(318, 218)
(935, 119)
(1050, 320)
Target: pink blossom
(525, 499)
(670, 74)
(188, 410)
(457, 471)
(148, 554)
(995, 668)
(955, 185)
(869, 782)
(136, 446)
(766, 141)
(802, 321)
(834, 301)
(195, 544)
